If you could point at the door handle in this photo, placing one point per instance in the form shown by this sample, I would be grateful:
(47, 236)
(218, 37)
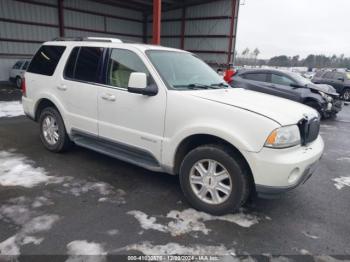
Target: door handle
(108, 97)
(62, 87)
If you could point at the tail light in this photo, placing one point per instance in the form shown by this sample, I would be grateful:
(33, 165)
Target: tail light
(23, 87)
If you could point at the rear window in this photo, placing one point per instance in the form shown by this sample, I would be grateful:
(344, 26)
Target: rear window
(255, 77)
(17, 65)
(46, 59)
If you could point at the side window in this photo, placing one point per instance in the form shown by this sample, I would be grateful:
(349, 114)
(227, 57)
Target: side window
(256, 77)
(336, 76)
(281, 80)
(328, 75)
(87, 65)
(46, 59)
(121, 64)
(71, 62)
(25, 65)
(17, 65)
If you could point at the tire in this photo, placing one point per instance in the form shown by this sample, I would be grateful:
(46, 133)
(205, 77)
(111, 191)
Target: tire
(346, 94)
(237, 173)
(59, 141)
(18, 82)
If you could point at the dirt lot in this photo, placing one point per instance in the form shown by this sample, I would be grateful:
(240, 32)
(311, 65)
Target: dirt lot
(82, 201)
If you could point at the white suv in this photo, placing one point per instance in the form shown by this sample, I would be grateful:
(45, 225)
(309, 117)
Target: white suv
(166, 110)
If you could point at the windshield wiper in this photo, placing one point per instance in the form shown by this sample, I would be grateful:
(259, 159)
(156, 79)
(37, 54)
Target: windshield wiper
(194, 86)
(222, 84)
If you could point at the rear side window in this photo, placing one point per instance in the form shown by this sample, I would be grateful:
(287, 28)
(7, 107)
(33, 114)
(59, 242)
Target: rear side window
(319, 74)
(46, 59)
(256, 77)
(87, 65)
(25, 66)
(281, 80)
(328, 75)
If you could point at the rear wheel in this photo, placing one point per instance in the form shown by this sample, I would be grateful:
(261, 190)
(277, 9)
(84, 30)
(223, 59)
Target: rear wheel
(18, 82)
(214, 180)
(346, 94)
(52, 131)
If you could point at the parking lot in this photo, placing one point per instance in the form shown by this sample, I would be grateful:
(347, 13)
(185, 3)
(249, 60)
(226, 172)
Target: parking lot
(85, 201)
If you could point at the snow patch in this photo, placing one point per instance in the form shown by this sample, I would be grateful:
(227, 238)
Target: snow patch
(31, 240)
(11, 109)
(190, 220)
(17, 171)
(113, 232)
(341, 182)
(309, 235)
(82, 250)
(9, 247)
(40, 223)
(175, 249)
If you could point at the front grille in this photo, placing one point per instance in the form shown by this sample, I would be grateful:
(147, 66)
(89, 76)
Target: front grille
(309, 129)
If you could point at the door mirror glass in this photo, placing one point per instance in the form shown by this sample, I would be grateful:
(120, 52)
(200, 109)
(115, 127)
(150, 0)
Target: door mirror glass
(341, 78)
(138, 85)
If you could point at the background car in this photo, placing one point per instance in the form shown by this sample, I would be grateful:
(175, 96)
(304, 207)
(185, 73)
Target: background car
(339, 80)
(289, 85)
(17, 72)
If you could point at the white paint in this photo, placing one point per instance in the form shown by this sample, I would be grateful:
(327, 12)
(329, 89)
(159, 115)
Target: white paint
(305, 252)
(11, 109)
(175, 249)
(341, 182)
(190, 220)
(309, 235)
(16, 170)
(92, 252)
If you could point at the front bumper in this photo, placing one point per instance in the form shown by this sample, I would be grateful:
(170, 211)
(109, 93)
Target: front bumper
(276, 171)
(333, 107)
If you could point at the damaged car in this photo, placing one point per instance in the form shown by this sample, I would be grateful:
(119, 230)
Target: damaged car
(293, 86)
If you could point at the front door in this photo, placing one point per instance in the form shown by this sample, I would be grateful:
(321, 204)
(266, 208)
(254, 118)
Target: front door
(130, 119)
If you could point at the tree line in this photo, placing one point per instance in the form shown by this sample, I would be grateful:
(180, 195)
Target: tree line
(248, 57)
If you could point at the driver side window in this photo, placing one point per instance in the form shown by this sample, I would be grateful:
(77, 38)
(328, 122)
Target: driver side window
(281, 80)
(121, 64)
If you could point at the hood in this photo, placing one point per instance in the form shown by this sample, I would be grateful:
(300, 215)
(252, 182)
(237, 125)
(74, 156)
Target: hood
(327, 89)
(282, 111)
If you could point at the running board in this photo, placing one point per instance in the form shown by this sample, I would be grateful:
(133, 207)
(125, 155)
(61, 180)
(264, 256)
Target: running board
(119, 151)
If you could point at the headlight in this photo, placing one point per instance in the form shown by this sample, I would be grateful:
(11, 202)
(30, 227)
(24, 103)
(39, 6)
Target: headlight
(326, 97)
(283, 137)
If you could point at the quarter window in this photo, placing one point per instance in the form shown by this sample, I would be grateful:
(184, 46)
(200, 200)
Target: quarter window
(121, 64)
(281, 80)
(46, 59)
(25, 66)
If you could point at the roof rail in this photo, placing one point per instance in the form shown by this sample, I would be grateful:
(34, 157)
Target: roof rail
(91, 39)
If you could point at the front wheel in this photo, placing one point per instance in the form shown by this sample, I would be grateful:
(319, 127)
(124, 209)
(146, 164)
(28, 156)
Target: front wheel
(214, 180)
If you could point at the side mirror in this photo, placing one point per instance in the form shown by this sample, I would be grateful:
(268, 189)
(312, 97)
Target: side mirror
(138, 85)
(341, 79)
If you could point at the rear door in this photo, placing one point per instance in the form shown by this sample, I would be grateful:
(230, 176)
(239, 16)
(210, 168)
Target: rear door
(78, 86)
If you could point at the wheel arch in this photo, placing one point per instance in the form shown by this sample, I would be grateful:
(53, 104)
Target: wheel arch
(193, 141)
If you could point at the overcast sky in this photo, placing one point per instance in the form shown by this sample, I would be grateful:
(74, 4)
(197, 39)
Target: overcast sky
(294, 27)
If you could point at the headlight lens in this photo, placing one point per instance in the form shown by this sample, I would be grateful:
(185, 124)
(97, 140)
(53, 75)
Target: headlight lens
(283, 137)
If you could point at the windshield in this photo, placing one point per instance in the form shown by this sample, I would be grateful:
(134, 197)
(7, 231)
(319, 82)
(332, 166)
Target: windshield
(184, 71)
